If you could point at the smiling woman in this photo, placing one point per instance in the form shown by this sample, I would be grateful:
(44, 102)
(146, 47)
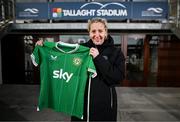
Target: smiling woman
(100, 104)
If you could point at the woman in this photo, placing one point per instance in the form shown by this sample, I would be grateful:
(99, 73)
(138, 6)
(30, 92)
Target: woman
(110, 65)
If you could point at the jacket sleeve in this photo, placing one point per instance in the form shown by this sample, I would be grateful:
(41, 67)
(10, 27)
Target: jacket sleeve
(112, 70)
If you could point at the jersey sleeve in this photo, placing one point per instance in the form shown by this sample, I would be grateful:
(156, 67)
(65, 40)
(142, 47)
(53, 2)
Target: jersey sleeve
(35, 56)
(91, 68)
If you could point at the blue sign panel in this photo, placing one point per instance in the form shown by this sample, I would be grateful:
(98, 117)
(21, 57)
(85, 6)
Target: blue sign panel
(84, 10)
(32, 11)
(150, 10)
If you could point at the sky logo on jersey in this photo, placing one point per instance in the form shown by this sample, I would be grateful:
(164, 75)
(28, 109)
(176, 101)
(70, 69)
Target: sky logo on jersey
(62, 75)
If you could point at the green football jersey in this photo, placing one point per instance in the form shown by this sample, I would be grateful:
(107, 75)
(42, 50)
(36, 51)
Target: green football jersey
(64, 71)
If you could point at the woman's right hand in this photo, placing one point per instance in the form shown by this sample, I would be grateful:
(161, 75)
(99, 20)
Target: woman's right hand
(39, 42)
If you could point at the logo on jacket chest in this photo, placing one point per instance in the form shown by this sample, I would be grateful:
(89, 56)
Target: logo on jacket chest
(105, 57)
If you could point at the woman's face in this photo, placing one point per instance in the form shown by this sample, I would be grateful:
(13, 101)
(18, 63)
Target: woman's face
(97, 33)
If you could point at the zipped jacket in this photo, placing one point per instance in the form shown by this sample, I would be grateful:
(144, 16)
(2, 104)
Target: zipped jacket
(110, 66)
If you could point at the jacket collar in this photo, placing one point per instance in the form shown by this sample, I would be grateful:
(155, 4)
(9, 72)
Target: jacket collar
(107, 43)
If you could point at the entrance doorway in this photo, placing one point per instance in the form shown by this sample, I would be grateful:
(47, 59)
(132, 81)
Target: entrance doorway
(140, 51)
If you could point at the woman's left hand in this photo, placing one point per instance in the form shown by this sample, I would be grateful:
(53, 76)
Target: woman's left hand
(94, 52)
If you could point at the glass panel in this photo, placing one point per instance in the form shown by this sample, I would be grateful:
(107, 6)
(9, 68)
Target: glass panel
(117, 39)
(153, 61)
(74, 38)
(28, 48)
(135, 58)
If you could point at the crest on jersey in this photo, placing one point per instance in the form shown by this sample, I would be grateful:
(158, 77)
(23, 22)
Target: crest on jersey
(77, 61)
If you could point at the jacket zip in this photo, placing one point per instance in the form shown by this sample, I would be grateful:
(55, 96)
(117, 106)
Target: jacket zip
(111, 97)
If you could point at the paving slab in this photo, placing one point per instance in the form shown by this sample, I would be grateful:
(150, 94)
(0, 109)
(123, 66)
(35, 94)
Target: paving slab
(135, 104)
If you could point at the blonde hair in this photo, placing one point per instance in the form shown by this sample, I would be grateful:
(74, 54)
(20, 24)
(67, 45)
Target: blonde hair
(95, 20)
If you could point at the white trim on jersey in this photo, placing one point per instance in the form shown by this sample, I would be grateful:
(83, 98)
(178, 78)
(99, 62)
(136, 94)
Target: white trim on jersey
(93, 71)
(33, 60)
(88, 102)
(75, 46)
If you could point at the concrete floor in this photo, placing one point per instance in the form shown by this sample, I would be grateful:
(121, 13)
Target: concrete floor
(149, 104)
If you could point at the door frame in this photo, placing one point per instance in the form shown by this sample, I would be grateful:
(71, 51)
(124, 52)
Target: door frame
(146, 61)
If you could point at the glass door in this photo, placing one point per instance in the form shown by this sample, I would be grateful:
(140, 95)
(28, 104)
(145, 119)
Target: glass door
(135, 59)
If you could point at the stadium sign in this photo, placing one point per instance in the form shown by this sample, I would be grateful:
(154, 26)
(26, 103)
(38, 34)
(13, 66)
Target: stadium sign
(75, 10)
(86, 10)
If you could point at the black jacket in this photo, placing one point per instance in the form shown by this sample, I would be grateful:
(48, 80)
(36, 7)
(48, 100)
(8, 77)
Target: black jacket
(110, 66)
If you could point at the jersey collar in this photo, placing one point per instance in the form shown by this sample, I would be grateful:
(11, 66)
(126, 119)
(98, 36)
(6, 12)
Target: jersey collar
(61, 44)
